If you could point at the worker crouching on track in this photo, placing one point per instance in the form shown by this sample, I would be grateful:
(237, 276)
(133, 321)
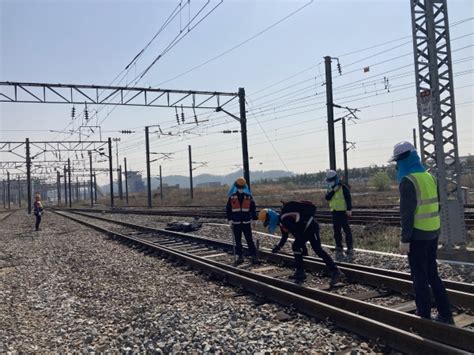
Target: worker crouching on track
(241, 212)
(340, 204)
(297, 218)
(37, 210)
(419, 212)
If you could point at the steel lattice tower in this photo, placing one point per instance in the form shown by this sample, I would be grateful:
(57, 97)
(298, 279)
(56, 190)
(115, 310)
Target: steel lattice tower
(437, 114)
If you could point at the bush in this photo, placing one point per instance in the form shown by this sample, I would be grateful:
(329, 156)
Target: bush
(381, 181)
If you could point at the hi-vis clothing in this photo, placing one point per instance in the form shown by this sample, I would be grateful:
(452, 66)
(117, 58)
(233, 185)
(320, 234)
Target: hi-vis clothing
(338, 203)
(241, 208)
(419, 207)
(339, 198)
(427, 205)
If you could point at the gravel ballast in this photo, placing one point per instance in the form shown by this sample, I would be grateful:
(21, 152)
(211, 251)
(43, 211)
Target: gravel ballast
(454, 272)
(68, 288)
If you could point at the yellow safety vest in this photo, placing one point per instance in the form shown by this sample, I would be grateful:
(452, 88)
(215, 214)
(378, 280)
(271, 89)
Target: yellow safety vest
(338, 202)
(427, 205)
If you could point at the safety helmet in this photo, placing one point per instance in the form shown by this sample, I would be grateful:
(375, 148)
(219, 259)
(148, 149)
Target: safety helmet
(262, 215)
(401, 151)
(240, 182)
(330, 175)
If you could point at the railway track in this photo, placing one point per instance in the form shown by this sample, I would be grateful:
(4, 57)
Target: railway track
(5, 214)
(395, 326)
(360, 217)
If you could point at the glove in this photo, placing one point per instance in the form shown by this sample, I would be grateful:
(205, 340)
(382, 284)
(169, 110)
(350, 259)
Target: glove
(254, 224)
(349, 213)
(231, 223)
(404, 248)
(276, 249)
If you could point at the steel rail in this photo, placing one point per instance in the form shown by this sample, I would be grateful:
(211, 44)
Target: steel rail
(321, 217)
(348, 314)
(364, 275)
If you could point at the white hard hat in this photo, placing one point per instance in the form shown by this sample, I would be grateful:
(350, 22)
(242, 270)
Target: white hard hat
(330, 175)
(400, 149)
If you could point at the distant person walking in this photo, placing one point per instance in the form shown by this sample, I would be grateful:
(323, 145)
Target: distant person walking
(340, 204)
(420, 222)
(241, 212)
(37, 210)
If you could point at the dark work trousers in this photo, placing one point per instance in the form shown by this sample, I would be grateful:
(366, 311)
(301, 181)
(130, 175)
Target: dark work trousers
(245, 228)
(340, 220)
(38, 220)
(312, 235)
(424, 273)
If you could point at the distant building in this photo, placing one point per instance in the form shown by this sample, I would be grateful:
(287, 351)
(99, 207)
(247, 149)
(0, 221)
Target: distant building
(210, 184)
(135, 182)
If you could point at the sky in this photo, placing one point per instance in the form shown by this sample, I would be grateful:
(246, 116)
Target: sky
(281, 69)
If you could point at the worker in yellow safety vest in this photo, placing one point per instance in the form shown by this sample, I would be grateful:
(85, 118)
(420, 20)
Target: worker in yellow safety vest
(420, 222)
(340, 204)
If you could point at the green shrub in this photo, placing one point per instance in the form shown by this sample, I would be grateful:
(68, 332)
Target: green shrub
(381, 181)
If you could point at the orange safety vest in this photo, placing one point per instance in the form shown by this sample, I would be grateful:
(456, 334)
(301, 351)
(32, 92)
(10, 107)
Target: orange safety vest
(237, 207)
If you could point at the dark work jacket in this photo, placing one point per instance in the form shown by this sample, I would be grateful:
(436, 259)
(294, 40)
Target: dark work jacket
(241, 216)
(289, 223)
(407, 214)
(347, 196)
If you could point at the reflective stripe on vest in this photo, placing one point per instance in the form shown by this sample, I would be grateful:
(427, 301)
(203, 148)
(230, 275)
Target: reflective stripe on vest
(427, 205)
(235, 204)
(338, 202)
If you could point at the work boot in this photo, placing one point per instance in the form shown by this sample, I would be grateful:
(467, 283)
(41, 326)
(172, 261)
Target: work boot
(239, 260)
(255, 259)
(350, 254)
(335, 277)
(299, 275)
(339, 254)
(441, 319)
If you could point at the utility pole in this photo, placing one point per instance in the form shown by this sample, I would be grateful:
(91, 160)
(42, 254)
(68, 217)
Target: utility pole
(69, 181)
(344, 143)
(190, 172)
(58, 184)
(95, 188)
(126, 179)
(119, 173)
(330, 112)
(120, 182)
(148, 172)
(77, 189)
(111, 176)
(243, 133)
(161, 184)
(414, 138)
(437, 114)
(8, 189)
(65, 187)
(28, 174)
(91, 187)
(19, 192)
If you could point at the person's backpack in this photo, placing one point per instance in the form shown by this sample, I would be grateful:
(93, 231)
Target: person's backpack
(305, 208)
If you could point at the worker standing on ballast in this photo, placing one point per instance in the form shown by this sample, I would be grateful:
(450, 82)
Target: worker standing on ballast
(297, 218)
(37, 210)
(340, 204)
(421, 223)
(241, 212)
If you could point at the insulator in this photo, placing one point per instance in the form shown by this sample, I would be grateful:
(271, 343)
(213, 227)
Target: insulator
(339, 68)
(182, 114)
(177, 116)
